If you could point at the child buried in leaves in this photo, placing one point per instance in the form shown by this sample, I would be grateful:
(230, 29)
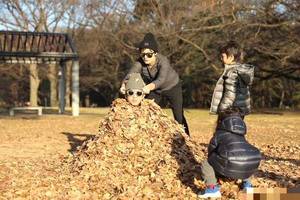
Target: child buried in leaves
(134, 149)
(134, 89)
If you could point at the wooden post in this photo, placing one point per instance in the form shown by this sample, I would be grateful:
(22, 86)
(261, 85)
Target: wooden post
(34, 84)
(52, 76)
(68, 83)
(75, 88)
(62, 87)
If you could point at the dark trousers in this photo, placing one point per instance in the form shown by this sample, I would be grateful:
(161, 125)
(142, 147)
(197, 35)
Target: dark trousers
(209, 175)
(174, 97)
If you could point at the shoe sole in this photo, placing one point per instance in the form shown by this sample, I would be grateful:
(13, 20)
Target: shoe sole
(210, 198)
(214, 196)
(249, 190)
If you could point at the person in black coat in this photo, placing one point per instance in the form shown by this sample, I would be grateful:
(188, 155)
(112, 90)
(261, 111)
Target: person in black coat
(229, 153)
(160, 78)
(229, 156)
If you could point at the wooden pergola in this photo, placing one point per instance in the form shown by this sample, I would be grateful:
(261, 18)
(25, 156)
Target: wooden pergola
(42, 47)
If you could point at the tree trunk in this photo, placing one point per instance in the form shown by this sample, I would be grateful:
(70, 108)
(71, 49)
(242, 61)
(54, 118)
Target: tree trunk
(87, 100)
(52, 76)
(34, 84)
(281, 100)
(263, 102)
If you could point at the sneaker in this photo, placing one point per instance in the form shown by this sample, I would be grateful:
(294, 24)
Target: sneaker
(212, 191)
(247, 186)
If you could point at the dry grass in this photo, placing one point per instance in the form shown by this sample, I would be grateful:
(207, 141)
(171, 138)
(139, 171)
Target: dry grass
(30, 139)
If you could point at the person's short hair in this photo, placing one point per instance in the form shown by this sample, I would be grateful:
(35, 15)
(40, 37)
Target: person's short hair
(232, 48)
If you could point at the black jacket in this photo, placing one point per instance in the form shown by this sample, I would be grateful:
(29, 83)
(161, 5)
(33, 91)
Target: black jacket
(229, 153)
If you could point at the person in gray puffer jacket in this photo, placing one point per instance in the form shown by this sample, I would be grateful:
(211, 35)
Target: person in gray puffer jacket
(232, 88)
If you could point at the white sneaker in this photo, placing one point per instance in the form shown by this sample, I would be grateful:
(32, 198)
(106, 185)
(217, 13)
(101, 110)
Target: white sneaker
(213, 192)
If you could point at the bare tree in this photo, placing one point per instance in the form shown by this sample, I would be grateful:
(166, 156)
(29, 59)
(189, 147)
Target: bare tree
(189, 33)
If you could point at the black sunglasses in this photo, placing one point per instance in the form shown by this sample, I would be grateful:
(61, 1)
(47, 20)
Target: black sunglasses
(137, 93)
(149, 55)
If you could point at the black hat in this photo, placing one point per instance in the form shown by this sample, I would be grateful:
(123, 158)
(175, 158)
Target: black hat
(149, 42)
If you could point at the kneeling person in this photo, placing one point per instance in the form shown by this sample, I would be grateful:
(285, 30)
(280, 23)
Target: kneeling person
(229, 156)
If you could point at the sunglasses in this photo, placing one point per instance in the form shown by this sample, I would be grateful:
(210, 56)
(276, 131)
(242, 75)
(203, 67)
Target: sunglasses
(149, 55)
(136, 93)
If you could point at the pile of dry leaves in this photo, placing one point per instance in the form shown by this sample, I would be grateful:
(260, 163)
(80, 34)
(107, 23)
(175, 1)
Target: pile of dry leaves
(139, 153)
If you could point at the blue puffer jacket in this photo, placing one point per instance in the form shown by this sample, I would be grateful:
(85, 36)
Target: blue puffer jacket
(229, 153)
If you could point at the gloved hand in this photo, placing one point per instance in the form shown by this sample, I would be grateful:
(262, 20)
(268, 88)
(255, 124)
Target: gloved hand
(123, 88)
(146, 90)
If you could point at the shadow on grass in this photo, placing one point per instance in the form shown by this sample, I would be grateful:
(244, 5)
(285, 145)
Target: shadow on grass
(27, 116)
(290, 160)
(278, 178)
(32, 114)
(189, 168)
(74, 140)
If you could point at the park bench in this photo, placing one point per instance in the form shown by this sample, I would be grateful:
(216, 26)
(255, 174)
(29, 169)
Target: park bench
(13, 109)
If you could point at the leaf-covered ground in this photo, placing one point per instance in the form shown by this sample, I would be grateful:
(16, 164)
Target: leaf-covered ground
(135, 156)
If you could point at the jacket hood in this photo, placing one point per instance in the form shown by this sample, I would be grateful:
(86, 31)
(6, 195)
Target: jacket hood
(246, 73)
(234, 124)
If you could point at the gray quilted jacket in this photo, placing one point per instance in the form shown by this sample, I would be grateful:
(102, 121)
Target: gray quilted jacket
(232, 89)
